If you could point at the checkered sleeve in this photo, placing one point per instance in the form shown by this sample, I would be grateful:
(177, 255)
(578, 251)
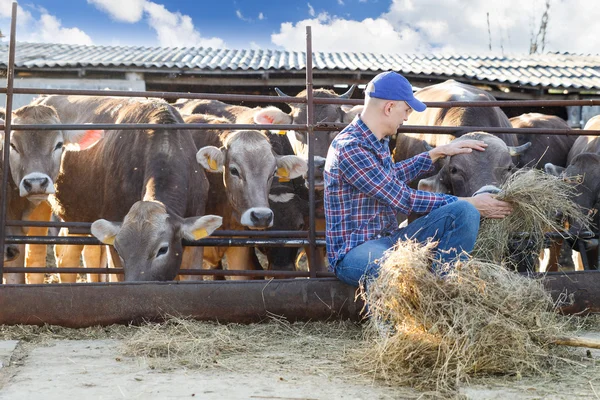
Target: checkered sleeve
(414, 167)
(362, 170)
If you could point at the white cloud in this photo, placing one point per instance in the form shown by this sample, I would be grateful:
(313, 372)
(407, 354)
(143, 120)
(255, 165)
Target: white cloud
(239, 14)
(176, 29)
(311, 10)
(341, 2)
(121, 10)
(330, 33)
(49, 29)
(451, 26)
(261, 16)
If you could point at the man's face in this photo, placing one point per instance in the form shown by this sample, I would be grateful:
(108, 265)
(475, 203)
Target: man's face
(400, 112)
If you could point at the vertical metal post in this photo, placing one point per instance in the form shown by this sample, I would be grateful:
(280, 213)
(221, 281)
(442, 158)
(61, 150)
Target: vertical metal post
(312, 257)
(6, 149)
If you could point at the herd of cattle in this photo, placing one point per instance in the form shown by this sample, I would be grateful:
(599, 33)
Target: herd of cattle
(145, 190)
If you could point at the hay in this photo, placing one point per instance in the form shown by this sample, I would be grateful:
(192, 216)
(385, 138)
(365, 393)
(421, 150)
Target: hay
(479, 319)
(536, 197)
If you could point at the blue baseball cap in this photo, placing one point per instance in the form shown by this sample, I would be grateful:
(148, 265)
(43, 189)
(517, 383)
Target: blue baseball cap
(393, 86)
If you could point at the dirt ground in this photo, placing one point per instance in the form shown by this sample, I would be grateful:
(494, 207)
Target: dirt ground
(263, 361)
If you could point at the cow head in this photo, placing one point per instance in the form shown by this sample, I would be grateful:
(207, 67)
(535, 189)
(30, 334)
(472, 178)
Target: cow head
(249, 165)
(323, 113)
(35, 156)
(148, 240)
(290, 211)
(584, 172)
(463, 174)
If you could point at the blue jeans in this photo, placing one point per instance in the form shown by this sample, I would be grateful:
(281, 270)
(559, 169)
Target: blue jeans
(454, 226)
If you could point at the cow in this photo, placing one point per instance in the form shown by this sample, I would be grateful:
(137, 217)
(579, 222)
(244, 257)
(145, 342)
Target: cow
(323, 113)
(544, 148)
(411, 144)
(148, 180)
(241, 166)
(463, 174)
(583, 168)
(34, 163)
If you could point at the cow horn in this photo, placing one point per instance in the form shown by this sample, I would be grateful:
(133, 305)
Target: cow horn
(348, 94)
(280, 93)
(427, 146)
(516, 150)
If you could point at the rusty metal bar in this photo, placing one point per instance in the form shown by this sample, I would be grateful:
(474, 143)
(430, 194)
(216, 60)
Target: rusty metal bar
(317, 127)
(191, 271)
(310, 119)
(224, 301)
(245, 301)
(164, 95)
(495, 103)
(208, 241)
(10, 75)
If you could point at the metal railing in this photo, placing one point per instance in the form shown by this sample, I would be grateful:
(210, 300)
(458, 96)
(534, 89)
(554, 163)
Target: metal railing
(310, 238)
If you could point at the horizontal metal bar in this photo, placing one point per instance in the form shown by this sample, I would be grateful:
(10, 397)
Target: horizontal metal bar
(208, 241)
(205, 272)
(293, 99)
(69, 304)
(124, 127)
(163, 95)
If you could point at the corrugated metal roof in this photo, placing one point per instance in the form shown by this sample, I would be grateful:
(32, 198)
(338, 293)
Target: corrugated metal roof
(554, 70)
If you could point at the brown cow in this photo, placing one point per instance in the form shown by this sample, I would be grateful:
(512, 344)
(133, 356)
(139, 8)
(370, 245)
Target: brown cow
(34, 161)
(411, 144)
(241, 166)
(149, 179)
(544, 148)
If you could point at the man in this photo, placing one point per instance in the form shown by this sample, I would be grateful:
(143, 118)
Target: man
(364, 189)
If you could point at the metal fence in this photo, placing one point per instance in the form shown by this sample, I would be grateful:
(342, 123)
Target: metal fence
(39, 304)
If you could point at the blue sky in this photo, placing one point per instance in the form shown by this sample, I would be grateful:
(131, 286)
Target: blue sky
(379, 26)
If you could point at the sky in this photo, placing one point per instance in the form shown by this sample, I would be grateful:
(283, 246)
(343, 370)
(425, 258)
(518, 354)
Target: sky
(375, 26)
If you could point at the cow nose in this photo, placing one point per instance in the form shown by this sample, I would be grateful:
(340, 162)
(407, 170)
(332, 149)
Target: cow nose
(35, 185)
(10, 253)
(261, 218)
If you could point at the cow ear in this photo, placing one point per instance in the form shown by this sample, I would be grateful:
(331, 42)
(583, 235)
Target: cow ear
(195, 228)
(105, 231)
(350, 112)
(211, 158)
(272, 115)
(552, 169)
(82, 139)
(290, 167)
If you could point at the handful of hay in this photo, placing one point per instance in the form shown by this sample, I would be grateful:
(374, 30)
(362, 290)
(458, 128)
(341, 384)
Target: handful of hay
(536, 197)
(478, 319)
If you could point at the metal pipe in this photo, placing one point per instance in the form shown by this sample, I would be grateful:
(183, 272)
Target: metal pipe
(191, 271)
(318, 299)
(10, 75)
(208, 241)
(310, 118)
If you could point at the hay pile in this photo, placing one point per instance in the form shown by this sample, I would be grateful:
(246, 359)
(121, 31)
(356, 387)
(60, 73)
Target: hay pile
(536, 197)
(479, 319)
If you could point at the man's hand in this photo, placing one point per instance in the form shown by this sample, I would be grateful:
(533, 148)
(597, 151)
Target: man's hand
(457, 147)
(488, 206)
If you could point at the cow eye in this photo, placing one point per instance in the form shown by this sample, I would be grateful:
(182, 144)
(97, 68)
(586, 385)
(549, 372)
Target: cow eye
(14, 148)
(233, 171)
(453, 170)
(58, 146)
(162, 251)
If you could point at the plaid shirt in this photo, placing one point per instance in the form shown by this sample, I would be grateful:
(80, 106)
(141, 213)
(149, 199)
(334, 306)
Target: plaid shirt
(365, 189)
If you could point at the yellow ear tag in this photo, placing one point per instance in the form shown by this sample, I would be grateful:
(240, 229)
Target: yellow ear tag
(200, 233)
(282, 132)
(212, 164)
(283, 174)
(110, 240)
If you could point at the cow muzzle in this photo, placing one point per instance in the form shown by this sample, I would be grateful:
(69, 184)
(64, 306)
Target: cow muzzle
(257, 218)
(36, 186)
